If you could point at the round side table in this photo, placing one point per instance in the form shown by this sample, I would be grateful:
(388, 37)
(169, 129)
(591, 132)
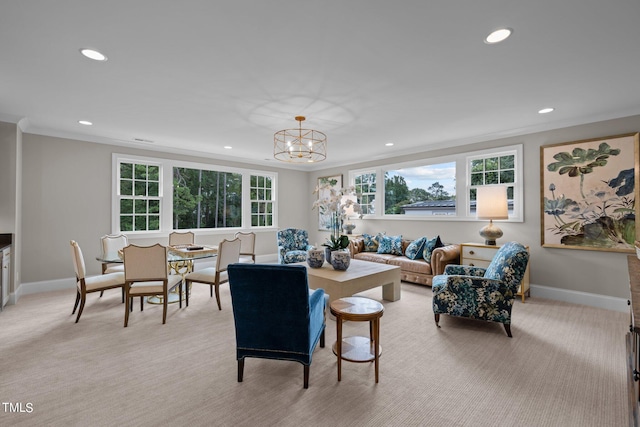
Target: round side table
(357, 349)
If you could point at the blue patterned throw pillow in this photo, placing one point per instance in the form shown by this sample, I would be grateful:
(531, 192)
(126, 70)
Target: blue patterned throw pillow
(415, 248)
(429, 246)
(390, 245)
(370, 242)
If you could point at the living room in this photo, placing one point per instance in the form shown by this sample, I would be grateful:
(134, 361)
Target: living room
(59, 186)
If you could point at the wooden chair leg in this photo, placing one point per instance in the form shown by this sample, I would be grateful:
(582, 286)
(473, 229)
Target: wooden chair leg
(218, 296)
(141, 303)
(211, 290)
(123, 295)
(306, 376)
(83, 298)
(507, 328)
(437, 318)
(101, 293)
(186, 292)
(127, 308)
(75, 306)
(322, 339)
(240, 369)
(164, 307)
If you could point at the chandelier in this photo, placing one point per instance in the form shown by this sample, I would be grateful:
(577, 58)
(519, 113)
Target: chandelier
(300, 145)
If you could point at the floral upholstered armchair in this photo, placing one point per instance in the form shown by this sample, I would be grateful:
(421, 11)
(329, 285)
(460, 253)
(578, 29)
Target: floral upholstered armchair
(293, 245)
(479, 293)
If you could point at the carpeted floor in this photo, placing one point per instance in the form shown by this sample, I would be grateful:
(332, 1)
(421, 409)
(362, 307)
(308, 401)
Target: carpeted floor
(565, 366)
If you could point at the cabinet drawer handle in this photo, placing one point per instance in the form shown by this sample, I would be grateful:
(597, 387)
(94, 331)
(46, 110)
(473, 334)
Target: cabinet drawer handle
(471, 252)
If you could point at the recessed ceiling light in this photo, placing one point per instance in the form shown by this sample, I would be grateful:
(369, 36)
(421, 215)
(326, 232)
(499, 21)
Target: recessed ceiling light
(389, 144)
(546, 110)
(498, 35)
(85, 122)
(93, 54)
(228, 147)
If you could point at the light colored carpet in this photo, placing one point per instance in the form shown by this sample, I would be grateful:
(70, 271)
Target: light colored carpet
(565, 366)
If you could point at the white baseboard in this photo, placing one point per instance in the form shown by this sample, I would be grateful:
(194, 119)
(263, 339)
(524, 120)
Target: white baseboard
(575, 297)
(45, 286)
(583, 298)
(70, 283)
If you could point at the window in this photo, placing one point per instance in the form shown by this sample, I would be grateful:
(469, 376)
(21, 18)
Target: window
(262, 194)
(421, 190)
(157, 196)
(139, 196)
(437, 187)
(206, 199)
(365, 186)
(492, 169)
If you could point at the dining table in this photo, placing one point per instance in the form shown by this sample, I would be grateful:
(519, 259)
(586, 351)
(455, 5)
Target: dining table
(180, 260)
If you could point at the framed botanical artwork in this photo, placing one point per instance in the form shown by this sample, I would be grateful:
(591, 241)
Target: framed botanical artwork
(589, 192)
(324, 218)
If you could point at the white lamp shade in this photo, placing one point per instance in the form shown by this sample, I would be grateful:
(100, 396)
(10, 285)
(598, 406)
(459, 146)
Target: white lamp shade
(491, 202)
(348, 210)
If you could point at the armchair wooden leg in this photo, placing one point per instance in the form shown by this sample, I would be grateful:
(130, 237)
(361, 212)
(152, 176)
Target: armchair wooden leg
(211, 290)
(437, 318)
(322, 339)
(240, 369)
(101, 293)
(507, 327)
(123, 295)
(141, 303)
(306, 376)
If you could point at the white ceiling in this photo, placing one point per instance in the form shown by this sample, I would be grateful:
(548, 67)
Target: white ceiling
(194, 76)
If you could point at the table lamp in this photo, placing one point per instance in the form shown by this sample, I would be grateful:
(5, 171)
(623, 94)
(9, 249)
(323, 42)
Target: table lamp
(491, 203)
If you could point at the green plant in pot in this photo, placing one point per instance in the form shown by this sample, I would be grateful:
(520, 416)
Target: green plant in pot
(335, 244)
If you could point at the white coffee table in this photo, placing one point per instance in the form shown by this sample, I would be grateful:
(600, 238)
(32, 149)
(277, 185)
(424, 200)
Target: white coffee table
(360, 276)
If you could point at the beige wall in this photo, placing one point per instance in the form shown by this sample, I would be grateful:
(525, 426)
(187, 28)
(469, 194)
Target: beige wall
(8, 139)
(67, 195)
(597, 272)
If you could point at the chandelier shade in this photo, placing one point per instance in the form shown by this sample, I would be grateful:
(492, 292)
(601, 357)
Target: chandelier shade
(300, 145)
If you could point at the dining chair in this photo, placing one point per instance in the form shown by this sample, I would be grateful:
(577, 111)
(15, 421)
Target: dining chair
(112, 243)
(146, 274)
(176, 238)
(90, 284)
(228, 253)
(247, 247)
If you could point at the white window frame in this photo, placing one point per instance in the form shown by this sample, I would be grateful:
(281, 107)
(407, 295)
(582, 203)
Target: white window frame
(166, 195)
(463, 184)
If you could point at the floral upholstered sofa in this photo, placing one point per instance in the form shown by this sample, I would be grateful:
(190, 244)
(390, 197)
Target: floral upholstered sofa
(416, 270)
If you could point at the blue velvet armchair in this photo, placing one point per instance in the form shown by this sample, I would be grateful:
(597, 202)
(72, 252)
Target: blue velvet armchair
(275, 315)
(293, 245)
(479, 293)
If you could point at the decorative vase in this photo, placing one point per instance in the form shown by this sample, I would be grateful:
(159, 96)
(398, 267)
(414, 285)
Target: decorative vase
(348, 227)
(340, 260)
(327, 254)
(315, 258)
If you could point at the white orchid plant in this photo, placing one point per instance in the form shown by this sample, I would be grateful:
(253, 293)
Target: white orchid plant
(335, 204)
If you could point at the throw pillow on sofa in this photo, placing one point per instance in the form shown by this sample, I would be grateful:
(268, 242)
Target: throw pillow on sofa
(415, 248)
(371, 242)
(429, 246)
(390, 245)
